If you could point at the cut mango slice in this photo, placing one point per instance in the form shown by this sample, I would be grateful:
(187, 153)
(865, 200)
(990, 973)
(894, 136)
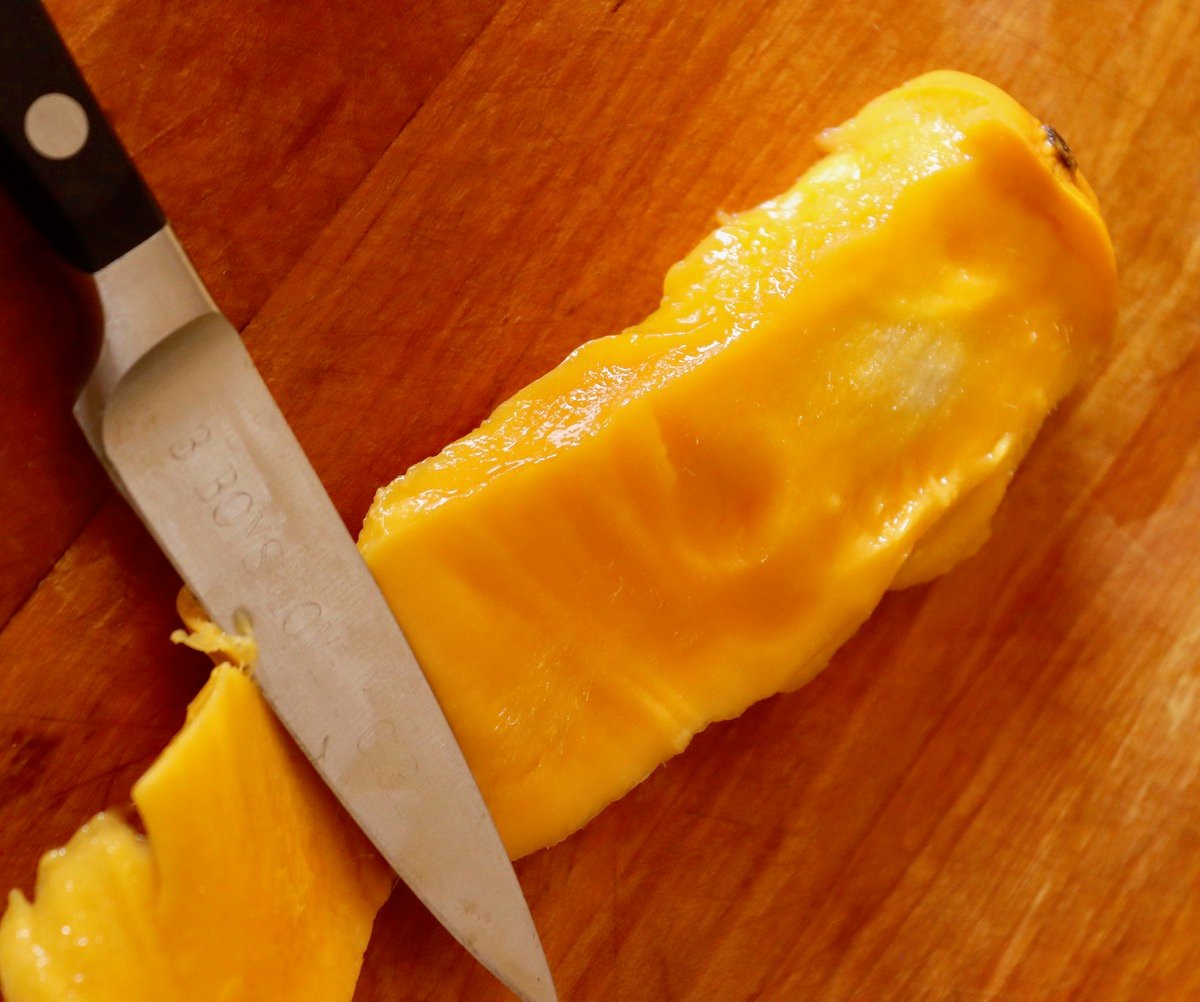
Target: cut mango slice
(248, 884)
(694, 514)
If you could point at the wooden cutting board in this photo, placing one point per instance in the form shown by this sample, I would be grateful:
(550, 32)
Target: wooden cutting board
(414, 208)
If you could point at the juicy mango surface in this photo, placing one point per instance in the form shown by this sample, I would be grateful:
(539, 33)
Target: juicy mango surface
(248, 883)
(691, 515)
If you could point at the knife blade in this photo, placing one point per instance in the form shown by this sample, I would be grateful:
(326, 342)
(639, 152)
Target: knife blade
(190, 434)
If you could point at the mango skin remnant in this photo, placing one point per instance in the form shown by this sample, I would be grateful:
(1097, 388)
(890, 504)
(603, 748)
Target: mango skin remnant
(694, 514)
(249, 883)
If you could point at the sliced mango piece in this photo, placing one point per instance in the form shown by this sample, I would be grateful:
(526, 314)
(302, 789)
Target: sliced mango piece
(248, 884)
(694, 514)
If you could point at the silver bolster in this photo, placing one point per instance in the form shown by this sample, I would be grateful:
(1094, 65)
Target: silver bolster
(144, 296)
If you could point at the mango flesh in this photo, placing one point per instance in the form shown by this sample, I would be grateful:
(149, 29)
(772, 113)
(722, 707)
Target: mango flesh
(248, 884)
(694, 514)
(676, 522)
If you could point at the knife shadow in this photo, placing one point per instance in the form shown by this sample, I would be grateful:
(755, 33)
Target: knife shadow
(53, 484)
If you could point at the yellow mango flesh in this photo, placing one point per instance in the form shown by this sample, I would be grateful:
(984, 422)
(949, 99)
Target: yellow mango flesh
(249, 883)
(694, 514)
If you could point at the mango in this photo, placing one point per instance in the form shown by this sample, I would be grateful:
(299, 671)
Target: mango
(695, 513)
(249, 882)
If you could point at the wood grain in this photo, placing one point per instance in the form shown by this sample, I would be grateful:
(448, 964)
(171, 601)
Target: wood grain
(414, 209)
(251, 137)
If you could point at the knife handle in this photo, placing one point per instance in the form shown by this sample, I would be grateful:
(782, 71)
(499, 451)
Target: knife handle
(60, 160)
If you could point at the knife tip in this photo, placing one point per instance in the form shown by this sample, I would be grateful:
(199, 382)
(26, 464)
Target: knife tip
(533, 982)
(541, 991)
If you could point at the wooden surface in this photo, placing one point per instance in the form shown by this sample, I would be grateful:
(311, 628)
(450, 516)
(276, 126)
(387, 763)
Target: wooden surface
(412, 209)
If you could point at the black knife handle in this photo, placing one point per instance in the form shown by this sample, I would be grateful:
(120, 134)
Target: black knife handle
(60, 160)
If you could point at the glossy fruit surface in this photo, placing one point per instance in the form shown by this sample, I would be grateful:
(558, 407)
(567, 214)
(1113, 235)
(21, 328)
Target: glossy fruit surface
(249, 882)
(693, 514)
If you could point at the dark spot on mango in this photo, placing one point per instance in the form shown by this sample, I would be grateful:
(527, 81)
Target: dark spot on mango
(1061, 150)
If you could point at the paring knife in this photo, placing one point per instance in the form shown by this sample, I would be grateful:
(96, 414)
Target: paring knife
(188, 431)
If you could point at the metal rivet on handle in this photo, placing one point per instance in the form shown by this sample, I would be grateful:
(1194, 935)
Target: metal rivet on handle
(56, 126)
